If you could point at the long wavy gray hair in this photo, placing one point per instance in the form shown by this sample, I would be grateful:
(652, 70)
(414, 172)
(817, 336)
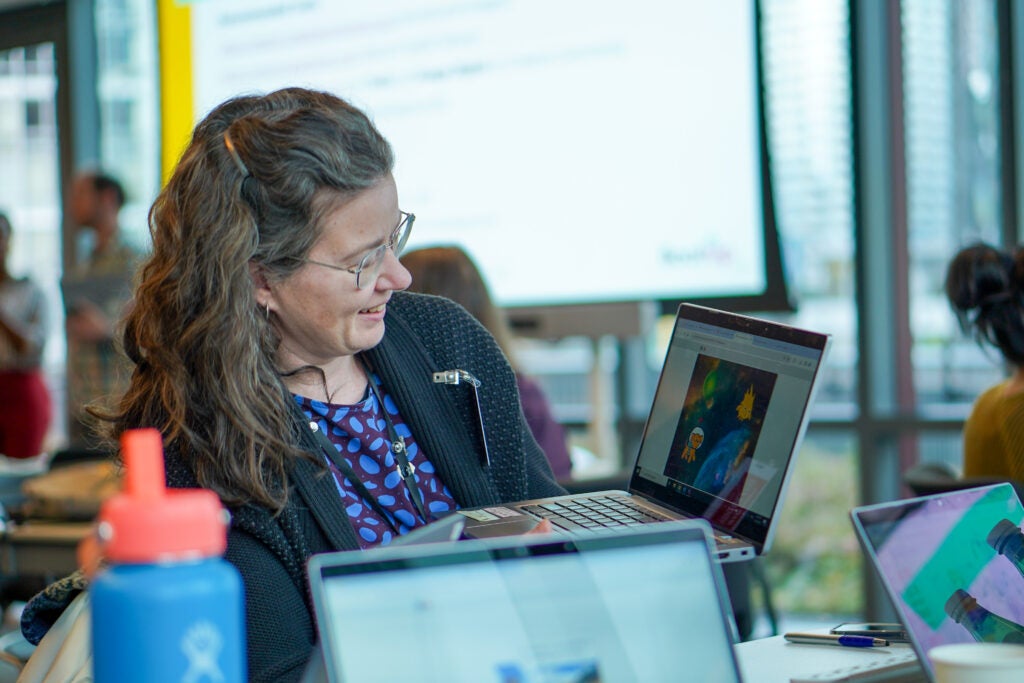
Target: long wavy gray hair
(250, 190)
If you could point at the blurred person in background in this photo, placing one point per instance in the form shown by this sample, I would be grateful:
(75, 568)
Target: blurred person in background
(985, 287)
(96, 293)
(26, 408)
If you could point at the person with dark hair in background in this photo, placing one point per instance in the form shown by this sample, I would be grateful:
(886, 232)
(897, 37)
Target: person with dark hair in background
(450, 272)
(289, 373)
(985, 287)
(26, 408)
(96, 293)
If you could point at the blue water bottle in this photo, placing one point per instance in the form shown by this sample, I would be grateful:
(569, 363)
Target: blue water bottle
(168, 608)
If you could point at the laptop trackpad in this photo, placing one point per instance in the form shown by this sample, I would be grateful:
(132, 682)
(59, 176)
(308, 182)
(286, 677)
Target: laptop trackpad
(507, 522)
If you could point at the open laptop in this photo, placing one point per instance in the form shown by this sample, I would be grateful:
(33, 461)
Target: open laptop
(936, 556)
(531, 609)
(727, 419)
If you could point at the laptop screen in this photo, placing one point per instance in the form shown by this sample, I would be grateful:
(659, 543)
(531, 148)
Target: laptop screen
(937, 559)
(626, 607)
(727, 418)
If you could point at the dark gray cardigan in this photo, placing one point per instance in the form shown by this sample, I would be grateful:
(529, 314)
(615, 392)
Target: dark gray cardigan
(424, 334)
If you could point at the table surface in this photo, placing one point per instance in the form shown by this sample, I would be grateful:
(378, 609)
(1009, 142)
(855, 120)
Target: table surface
(774, 660)
(38, 531)
(41, 547)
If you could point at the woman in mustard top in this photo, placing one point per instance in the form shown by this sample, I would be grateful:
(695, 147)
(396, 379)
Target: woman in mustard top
(985, 287)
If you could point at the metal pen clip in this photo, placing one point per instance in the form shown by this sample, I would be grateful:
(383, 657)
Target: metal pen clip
(462, 377)
(455, 377)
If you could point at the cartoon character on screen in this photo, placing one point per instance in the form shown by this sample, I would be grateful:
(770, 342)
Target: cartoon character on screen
(718, 430)
(745, 410)
(703, 408)
(726, 467)
(693, 443)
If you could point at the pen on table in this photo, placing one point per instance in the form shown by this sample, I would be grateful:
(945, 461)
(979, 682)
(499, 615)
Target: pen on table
(835, 639)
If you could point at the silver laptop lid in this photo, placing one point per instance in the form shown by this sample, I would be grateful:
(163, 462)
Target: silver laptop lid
(727, 419)
(545, 608)
(952, 564)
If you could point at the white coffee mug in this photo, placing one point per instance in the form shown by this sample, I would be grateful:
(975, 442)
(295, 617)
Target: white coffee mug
(977, 663)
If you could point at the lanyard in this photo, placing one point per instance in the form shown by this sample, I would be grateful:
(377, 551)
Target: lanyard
(405, 469)
(346, 470)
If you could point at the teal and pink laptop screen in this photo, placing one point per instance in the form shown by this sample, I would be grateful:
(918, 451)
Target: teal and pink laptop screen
(952, 563)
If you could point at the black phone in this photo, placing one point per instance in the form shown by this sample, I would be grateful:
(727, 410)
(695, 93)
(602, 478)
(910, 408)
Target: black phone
(894, 633)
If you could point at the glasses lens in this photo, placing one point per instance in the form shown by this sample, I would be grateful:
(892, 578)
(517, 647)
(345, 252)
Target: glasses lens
(369, 266)
(402, 234)
(371, 263)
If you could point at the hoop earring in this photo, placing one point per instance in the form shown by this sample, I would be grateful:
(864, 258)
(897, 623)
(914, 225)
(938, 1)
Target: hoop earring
(267, 309)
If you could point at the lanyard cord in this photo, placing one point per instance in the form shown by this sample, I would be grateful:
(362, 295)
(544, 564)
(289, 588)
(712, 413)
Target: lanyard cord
(405, 469)
(346, 470)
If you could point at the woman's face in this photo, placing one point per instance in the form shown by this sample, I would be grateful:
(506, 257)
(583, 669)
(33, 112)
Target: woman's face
(320, 314)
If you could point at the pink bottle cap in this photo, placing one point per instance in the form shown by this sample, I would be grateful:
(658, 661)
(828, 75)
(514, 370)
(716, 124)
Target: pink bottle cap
(146, 522)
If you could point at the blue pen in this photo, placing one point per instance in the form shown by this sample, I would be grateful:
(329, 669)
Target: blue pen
(833, 639)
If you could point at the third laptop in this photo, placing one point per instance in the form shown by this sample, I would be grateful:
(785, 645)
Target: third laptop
(952, 563)
(728, 416)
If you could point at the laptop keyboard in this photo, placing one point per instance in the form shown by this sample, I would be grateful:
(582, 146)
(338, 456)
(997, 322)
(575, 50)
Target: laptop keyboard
(595, 512)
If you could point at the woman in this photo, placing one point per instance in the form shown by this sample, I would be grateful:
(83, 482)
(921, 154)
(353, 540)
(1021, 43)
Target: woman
(448, 271)
(270, 316)
(25, 406)
(985, 287)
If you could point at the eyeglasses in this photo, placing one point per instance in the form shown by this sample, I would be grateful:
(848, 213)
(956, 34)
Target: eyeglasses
(371, 262)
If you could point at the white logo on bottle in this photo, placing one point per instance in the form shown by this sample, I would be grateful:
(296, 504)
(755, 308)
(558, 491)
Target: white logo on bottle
(202, 644)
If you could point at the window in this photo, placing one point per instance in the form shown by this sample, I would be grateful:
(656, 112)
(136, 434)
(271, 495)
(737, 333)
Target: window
(127, 89)
(39, 59)
(40, 118)
(805, 49)
(951, 95)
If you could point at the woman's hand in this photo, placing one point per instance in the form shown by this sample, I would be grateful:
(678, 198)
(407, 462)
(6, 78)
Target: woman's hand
(543, 527)
(90, 555)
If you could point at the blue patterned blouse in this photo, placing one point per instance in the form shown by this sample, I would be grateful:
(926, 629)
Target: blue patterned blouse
(359, 432)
